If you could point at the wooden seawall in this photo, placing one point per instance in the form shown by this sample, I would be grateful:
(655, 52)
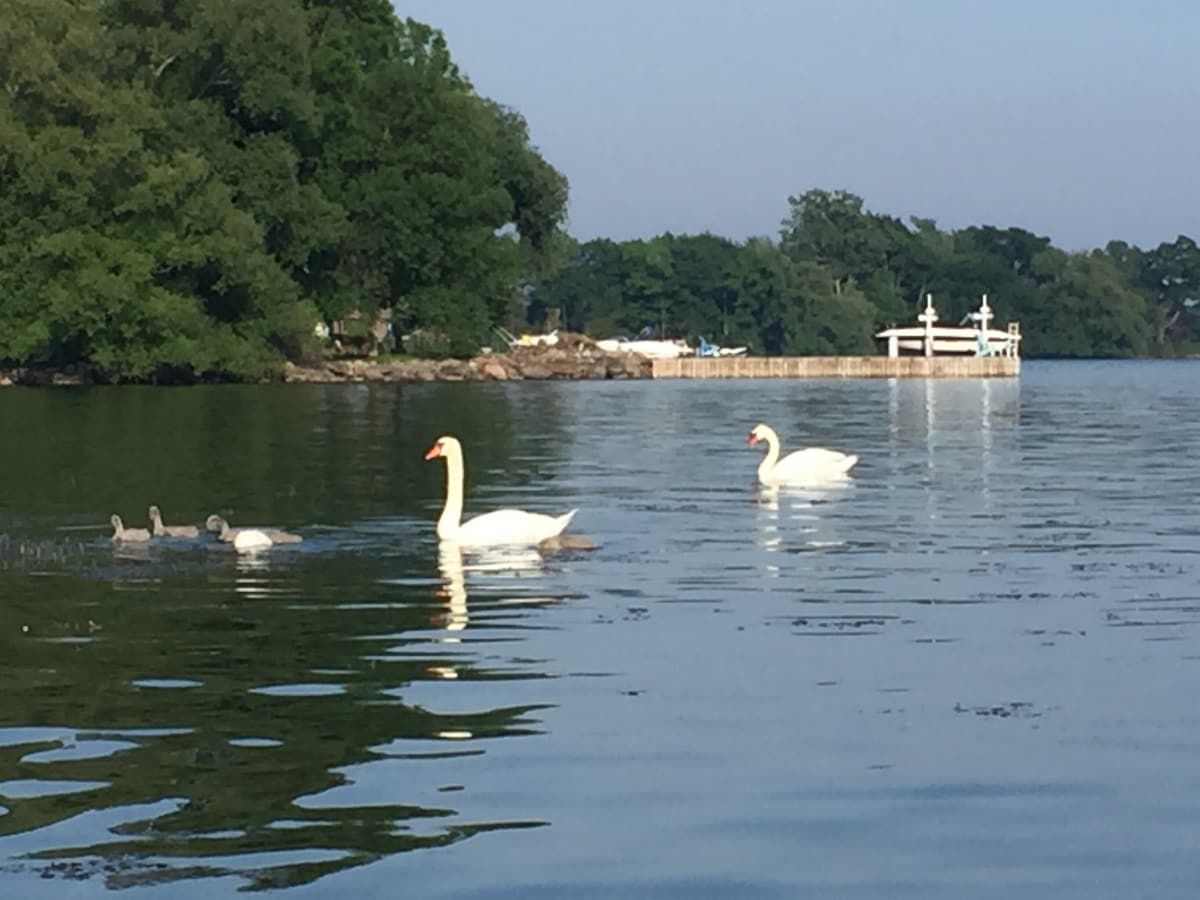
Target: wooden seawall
(839, 367)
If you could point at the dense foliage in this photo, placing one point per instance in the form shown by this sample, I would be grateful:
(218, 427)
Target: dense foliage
(187, 187)
(839, 273)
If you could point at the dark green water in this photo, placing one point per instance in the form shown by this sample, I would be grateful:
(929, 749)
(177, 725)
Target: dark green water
(184, 700)
(966, 673)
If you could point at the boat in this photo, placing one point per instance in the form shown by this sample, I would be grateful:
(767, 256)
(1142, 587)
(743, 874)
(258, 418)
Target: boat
(665, 349)
(977, 338)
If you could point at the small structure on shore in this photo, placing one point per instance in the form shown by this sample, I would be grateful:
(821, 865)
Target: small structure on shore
(977, 338)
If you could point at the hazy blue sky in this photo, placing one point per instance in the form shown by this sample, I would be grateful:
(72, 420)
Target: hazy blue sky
(1078, 119)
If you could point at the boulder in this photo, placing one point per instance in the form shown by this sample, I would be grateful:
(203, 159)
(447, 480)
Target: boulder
(453, 370)
(493, 370)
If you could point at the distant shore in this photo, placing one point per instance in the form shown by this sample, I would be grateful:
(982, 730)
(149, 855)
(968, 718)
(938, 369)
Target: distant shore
(575, 357)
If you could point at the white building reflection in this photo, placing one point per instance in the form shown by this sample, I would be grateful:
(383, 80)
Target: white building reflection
(958, 423)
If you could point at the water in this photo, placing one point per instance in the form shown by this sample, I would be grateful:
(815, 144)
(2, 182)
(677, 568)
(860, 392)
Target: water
(970, 671)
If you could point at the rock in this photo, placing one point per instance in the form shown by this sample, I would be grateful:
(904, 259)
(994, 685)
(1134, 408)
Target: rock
(453, 370)
(423, 370)
(535, 371)
(494, 370)
(575, 356)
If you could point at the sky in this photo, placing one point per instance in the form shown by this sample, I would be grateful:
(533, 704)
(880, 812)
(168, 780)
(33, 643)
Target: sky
(1075, 119)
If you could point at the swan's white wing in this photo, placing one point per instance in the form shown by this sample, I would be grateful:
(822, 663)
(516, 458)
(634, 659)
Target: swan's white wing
(812, 463)
(511, 526)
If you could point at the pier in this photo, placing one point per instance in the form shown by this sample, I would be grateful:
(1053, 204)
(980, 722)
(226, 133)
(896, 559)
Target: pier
(927, 350)
(838, 367)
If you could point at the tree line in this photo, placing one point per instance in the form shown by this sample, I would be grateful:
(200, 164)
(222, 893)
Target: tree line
(838, 273)
(188, 188)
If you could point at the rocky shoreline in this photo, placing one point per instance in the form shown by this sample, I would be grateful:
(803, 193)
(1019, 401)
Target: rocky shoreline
(574, 357)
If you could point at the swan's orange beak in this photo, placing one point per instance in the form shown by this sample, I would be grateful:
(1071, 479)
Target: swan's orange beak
(434, 452)
(752, 439)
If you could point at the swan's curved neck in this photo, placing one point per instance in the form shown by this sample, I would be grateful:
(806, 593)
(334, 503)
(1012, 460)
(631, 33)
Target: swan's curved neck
(448, 522)
(156, 523)
(768, 463)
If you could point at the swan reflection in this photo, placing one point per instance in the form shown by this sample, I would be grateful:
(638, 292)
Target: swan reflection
(252, 576)
(131, 551)
(453, 590)
(454, 564)
(808, 505)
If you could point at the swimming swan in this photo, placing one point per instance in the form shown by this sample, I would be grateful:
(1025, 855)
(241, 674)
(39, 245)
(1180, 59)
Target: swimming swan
(503, 526)
(812, 464)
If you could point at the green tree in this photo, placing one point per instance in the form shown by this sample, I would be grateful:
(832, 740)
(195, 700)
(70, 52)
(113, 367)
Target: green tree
(857, 247)
(1171, 275)
(118, 248)
(183, 184)
(1086, 309)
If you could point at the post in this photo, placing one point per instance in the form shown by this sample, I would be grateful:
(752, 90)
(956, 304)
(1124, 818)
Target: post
(928, 317)
(985, 315)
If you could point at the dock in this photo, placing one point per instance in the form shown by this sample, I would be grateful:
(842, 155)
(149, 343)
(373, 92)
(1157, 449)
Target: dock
(838, 367)
(926, 350)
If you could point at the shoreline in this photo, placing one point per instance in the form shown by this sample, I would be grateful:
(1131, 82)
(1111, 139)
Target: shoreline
(577, 359)
(574, 359)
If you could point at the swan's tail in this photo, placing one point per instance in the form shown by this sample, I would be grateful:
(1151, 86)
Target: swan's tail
(848, 463)
(564, 520)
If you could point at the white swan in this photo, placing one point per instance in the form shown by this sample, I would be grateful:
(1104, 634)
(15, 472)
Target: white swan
(812, 464)
(504, 526)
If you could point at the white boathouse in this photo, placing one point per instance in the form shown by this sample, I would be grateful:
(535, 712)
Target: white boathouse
(977, 338)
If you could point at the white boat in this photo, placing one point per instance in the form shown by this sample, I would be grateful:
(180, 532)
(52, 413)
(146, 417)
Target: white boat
(978, 338)
(648, 348)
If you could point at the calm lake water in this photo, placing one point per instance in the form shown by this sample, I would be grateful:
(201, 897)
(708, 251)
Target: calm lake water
(969, 672)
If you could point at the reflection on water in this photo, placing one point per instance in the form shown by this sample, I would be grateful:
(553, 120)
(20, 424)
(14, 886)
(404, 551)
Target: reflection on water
(454, 589)
(794, 515)
(964, 640)
(965, 416)
(286, 721)
(495, 562)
